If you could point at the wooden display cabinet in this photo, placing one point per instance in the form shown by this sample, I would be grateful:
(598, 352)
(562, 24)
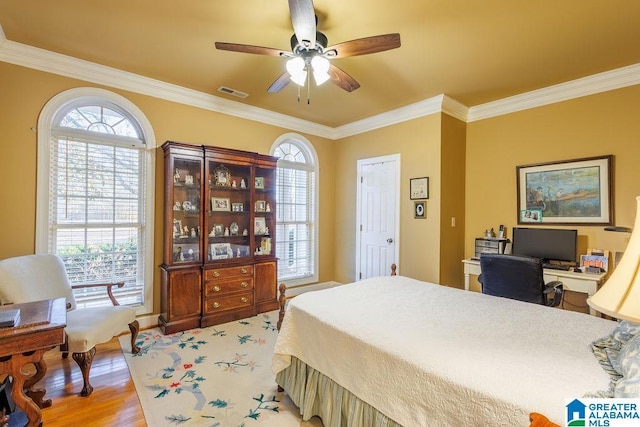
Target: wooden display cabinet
(225, 269)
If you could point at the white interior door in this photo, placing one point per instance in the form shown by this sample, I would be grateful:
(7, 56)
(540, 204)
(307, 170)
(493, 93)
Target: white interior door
(378, 208)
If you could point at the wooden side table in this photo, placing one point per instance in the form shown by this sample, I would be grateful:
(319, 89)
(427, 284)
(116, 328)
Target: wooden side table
(40, 328)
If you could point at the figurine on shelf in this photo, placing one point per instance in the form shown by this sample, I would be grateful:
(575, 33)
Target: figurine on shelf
(245, 232)
(268, 208)
(266, 231)
(226, 231)
(238, 253)
(176, 176)
(178, 256)
(177, 206)
(243, 184)
(233, 184)
(191, 255)
(188, 179)
(193, 232)
(185, 231)
(213, 232)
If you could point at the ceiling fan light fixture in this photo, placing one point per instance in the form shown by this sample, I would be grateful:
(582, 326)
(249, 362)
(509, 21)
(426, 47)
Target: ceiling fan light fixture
(296, 70)
(320, 67)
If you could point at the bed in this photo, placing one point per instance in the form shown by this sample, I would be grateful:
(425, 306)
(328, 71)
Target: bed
(397, 351)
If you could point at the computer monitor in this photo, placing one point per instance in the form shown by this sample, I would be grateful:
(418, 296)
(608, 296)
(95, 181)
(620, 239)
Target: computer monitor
(547, 243)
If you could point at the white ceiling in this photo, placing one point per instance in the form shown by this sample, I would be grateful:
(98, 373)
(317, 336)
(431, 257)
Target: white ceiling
(474, 52)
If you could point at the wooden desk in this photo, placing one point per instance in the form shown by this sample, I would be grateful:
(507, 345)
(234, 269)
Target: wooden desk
(579, 282)
(40, 328)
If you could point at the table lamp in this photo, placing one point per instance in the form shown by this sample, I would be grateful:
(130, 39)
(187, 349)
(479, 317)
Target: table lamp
(619, 297)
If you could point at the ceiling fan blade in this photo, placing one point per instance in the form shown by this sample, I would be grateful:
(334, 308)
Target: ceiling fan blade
(248, 48)
(366, 45)
(280, 83)
(342, 79)
(303, 18)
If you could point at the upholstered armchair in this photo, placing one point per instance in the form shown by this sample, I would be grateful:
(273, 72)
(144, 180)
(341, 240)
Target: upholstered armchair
(37, 277)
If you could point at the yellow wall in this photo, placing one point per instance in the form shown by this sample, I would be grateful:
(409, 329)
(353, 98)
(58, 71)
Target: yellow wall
(23, 94)
(452, 218)
(418, 143)
(607, 123)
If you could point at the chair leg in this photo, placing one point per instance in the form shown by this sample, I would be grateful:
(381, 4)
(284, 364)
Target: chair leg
(85, 360)
(134, 327)
(64, 348)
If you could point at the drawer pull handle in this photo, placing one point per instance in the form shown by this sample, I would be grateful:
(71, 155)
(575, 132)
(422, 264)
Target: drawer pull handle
(244, 299)
(216, 305)
(216, 288)
(244, 270)
(216, 274)
(244, 284)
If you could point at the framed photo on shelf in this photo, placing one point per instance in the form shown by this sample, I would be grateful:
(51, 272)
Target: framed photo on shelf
(220, 204)
(237, 207)
(259, 183)
(530, 215)
(218, 230)
(567, 192)
(260, 226)
(177, 228)
(220, 251)
(419, 188)
(261, 206)
(221, 176)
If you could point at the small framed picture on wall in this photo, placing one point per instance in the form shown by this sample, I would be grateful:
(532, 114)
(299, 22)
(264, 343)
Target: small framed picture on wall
(420, 210)
(419, 188)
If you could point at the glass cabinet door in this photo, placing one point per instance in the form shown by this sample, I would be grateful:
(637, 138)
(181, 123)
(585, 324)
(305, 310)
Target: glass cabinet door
(264, 211)
(186, 210)
(228, 220)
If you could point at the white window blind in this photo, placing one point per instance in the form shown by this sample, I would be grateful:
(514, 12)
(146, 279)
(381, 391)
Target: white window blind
(97, 201)
(295, 223)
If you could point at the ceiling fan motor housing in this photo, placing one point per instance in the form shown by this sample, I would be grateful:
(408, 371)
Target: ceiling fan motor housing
(321, 43)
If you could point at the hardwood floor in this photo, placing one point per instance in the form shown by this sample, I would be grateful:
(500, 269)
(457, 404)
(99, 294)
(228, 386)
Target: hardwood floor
(114, 401)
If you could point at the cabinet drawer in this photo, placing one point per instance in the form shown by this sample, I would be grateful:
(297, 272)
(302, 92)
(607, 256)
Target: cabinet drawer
(487, 243)
(228, 272)
(222, 287)
(231, 302)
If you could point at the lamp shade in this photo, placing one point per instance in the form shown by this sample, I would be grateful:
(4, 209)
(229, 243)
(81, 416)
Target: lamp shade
(619, 297)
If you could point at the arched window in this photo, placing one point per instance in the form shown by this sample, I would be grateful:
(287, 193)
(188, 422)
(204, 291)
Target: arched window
(95, 193)
(296, 198)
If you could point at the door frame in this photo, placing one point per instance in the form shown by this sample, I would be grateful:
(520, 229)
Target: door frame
(396, 232)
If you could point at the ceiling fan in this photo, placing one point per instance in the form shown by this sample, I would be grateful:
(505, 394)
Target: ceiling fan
(310, 53)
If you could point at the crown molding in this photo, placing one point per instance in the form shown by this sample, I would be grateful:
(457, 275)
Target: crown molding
(408, 112)
(55, 63)
(597, 83)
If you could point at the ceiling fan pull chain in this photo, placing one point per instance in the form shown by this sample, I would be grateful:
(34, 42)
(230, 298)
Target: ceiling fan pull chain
(308, 88)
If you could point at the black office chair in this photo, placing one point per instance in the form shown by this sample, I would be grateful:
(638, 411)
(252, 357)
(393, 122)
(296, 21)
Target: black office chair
(517, 277)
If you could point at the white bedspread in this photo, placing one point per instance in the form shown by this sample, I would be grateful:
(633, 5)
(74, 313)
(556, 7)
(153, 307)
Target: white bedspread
(428, 355)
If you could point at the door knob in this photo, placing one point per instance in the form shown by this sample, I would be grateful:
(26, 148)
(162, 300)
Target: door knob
(389, 240)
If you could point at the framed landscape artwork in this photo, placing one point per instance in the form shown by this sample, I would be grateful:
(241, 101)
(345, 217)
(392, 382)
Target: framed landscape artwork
(566, 192)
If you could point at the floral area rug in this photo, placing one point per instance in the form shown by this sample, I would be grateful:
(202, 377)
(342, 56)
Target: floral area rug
(218, 376)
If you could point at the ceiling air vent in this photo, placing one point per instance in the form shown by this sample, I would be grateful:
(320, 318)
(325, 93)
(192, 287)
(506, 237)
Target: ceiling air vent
(233, 92)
